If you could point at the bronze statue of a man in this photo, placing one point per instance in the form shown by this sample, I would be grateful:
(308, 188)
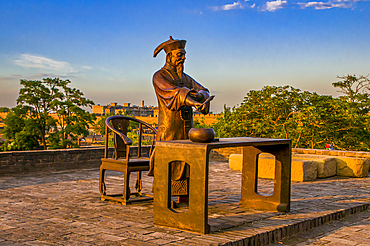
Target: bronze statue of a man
(177, 93)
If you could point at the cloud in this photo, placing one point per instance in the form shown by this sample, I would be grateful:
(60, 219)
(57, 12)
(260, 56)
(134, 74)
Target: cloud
(43, 63)
(235, 5)
(11, 77)
(51, 75)
(344, 4)
(322, 5)
(103, 69)
(275, 5)
(231, 6)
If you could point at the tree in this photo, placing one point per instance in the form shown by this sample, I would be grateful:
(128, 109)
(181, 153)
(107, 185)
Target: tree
(132, 129)
(38, 100)
(353, 86)
(20, 131)
(4, 109)
(201, 123)
(309, 119)
(36, 97)
(264, 113)
(99, 126)
(72, 120)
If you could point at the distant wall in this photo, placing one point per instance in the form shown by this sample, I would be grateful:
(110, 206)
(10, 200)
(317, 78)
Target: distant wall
(19, 162)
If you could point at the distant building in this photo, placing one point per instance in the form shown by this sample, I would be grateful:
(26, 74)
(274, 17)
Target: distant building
(2, 117)
(143, 111)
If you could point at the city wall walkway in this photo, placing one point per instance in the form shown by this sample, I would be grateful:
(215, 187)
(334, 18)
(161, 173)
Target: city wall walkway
(64, 208)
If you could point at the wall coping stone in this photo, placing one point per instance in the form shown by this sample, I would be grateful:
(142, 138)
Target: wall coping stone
(332, 152)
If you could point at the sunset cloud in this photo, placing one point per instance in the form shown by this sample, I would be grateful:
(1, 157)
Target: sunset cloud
(43, 63)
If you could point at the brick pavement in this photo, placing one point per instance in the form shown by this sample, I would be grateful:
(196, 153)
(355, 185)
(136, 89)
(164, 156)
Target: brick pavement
(64, 209)
(351, 230)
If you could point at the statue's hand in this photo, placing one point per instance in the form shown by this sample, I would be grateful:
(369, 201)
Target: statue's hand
(200, 106)
(197, 96)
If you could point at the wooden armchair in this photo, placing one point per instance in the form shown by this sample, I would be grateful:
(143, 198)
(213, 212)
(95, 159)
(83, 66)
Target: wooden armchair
(122, 160)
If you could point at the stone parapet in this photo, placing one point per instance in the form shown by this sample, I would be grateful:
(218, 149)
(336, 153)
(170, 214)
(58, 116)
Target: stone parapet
(14, 162)
(18, 162)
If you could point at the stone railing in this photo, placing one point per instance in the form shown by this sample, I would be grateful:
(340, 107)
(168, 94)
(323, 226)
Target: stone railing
(19, 162)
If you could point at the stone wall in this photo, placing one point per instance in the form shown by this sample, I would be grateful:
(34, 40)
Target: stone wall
(20, 162)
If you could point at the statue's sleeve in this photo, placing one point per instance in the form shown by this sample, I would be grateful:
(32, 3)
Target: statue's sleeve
(202, 90)
(172, 96)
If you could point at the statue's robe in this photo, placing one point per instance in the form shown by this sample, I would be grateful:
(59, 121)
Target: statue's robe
(175, 118)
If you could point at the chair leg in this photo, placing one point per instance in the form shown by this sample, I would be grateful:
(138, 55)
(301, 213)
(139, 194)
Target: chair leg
(126, 186)
(102, 187)
(139, 184)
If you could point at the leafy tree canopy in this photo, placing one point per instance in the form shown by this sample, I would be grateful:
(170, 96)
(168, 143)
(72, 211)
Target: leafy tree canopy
(309, 119)
(20, 131)
(4, 109)
(36, 104)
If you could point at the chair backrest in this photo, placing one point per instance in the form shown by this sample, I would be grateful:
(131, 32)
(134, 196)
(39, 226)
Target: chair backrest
(120, 147)
(120, 125)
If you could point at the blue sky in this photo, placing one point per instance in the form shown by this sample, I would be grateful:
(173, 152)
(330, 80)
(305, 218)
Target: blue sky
(106, 47)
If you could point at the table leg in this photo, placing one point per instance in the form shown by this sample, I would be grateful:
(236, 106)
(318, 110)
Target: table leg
(196, 218)
(280, 199)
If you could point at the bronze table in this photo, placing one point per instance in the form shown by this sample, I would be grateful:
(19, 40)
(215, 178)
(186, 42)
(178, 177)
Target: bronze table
(196, 155)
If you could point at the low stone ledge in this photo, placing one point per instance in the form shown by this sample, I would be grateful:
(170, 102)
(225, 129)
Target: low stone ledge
(330, 165)
(326, 165)
(301, 170)
(352, 167)
(224, 153)
(308, 167)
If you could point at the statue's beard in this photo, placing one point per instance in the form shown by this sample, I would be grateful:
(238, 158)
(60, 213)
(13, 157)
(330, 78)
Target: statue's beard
(180, 69)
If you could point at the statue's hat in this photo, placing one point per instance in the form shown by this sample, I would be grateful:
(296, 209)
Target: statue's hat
(168, 46)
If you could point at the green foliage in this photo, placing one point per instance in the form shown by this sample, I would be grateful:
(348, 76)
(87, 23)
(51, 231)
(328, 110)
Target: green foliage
(72, 120)
(21, 132)
(4, 109)
(309, 119)
(352, 86)
(201, 123)
(132, 130)
(37, 96)
(31, 121)
(99, 126)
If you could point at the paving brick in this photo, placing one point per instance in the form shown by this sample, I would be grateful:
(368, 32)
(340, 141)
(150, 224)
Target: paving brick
(66, 204)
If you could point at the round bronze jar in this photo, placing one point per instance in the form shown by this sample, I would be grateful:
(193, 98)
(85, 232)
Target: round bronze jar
(201, 135)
